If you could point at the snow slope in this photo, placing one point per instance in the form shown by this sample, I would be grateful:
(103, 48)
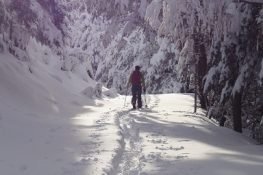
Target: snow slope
(49, 127)
(38, 104)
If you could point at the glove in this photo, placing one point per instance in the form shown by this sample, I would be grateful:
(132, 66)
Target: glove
(144, 89)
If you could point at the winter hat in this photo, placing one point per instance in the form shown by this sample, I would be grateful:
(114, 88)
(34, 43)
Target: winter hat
(137, 67)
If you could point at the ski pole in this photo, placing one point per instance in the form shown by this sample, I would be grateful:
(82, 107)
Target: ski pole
(145, 99)
(126, 95)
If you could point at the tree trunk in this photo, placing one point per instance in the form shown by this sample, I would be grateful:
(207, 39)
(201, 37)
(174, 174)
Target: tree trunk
(236, 107)
(202, 70)
(201, 59)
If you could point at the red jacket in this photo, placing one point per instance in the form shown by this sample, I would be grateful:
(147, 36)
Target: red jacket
(136, 78)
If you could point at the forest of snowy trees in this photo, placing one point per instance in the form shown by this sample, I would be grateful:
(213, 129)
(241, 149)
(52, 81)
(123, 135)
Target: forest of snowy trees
(226, 57)
(213, 46)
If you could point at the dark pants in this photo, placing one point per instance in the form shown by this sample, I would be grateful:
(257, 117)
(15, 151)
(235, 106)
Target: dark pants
(136, 96)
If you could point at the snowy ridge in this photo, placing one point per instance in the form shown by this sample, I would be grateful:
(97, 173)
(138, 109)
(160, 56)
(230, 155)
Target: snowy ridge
(36, 111)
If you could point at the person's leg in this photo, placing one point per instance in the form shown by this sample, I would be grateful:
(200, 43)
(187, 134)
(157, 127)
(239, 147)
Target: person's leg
(134, 94)
(139, 96)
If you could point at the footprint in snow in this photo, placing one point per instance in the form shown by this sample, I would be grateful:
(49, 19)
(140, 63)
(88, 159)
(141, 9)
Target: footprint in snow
(94, 135)
(170, 148)
(184, 140)
(181, 157)
(158, 141)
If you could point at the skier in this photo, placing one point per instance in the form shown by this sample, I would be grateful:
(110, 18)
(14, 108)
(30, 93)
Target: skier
(137, 81)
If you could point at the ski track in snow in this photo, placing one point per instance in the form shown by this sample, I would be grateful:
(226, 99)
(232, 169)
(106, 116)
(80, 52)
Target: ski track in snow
(127, 159)
(130, 157)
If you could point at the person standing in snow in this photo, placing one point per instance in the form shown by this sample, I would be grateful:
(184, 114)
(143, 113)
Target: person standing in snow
(137, 81)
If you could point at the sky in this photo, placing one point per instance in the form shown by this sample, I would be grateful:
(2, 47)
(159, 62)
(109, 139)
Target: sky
(49, 126)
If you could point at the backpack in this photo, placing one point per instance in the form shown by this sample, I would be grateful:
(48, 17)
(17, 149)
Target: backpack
(136, 78)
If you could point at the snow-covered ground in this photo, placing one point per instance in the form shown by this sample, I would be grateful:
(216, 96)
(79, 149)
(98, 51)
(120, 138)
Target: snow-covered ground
(49, 127)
